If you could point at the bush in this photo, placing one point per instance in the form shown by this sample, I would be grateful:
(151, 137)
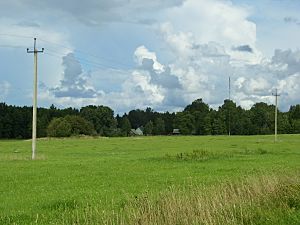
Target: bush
(59, 127)
(70, 125)
(80, 125)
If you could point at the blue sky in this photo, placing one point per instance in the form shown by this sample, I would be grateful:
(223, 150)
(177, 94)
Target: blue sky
(130, 54)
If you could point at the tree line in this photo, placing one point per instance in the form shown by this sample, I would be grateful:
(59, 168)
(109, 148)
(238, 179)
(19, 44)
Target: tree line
(197, 118)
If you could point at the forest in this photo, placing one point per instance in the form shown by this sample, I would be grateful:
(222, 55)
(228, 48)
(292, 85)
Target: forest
(197, 118)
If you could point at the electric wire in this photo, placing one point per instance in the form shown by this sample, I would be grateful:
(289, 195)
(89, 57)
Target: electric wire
(81, 55)
(84, 53)
(82, 61)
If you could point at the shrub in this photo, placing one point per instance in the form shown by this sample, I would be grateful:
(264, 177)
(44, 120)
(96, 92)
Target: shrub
(59, 127)
(80, 125)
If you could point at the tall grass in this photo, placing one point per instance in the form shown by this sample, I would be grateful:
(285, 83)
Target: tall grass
(263, 200)
(258, 200)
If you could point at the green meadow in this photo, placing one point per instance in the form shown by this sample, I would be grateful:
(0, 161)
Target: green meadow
(151, 180)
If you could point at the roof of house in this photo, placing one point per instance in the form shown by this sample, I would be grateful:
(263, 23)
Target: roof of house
(137, 131)
(176, 131)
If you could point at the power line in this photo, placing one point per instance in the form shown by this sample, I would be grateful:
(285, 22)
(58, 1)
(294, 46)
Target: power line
(11, 46)
(83, 61)
(15, 35)
(60, 55)
(85, 54)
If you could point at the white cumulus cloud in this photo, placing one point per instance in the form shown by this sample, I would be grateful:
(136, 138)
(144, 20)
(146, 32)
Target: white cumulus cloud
(74, 83)
(201, 44)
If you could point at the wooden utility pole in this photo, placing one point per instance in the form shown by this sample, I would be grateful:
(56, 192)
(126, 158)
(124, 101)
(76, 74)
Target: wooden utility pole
(34, 107)
(276, 109)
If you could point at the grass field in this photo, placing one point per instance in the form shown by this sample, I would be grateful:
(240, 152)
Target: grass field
(151, 180)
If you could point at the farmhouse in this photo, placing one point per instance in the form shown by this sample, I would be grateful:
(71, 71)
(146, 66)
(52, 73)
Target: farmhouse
(176, 131)
(136, 132)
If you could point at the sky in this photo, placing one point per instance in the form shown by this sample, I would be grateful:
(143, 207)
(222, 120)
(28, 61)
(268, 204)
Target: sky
(163, 54)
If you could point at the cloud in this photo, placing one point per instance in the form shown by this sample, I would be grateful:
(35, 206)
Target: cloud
(289, 90)
(190, 49)
(292, 20)
(217, 21)
(5, 89)
(91, 12)
(142, 53)
(150, 84)
(220, 22)
(28, 24)
(74, 83)
(159, 74)
(253, 86)
(203, 68)
(14, 32)
(203, 74)
(168, 84)
(287, 60)
(243, 48)
(257, 82)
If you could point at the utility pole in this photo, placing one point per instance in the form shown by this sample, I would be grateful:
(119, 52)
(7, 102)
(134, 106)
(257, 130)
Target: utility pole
(34, 107)
(276, 109)
(229, 95)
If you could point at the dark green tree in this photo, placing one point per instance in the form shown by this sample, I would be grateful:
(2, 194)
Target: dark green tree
(262, 117)
(169, 121)
(148, 129)
(102, 117)
(218, 126)
(159, 126)
(197, 118)
(43, 120)
(59, 127)
(185, 122)
(296, 126)
(80, 125)
(125, 126)
(228, 111)
(283, 124)
(294, 112)
(200, 112)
